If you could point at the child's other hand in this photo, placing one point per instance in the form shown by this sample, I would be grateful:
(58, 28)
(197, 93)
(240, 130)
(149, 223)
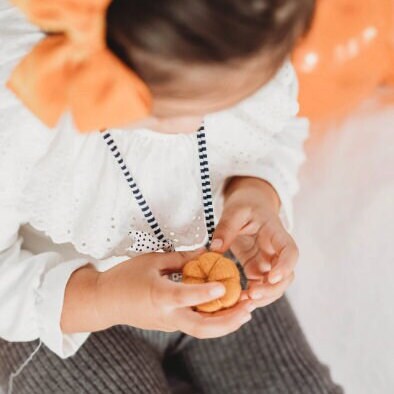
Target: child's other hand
(251, 227)
(138, 293)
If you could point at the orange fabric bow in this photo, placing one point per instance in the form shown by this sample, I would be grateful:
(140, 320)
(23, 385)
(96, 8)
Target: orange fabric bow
(75, 71)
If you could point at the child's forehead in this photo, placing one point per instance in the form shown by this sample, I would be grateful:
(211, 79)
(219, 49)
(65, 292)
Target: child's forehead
(199, 90)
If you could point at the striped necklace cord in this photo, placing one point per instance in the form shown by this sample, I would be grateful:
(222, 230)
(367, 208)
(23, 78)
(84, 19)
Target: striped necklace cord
(159, 240)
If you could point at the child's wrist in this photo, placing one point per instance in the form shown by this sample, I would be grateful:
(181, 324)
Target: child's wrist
(80, 310)
(105, 303)
(251, 186)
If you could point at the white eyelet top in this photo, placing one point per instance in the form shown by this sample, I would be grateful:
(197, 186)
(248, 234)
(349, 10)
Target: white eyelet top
(64, 202)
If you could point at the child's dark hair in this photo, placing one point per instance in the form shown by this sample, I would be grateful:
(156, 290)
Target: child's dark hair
(150, 35)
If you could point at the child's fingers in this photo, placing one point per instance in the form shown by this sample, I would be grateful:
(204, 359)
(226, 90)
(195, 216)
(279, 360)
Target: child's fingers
(257, 265)
(180, 295)
(258, 291)
(285, 249)
(264, 237)
(244, 295)
(285, 263)
(266, 301)
(229, 227)
(246, 305)
(174, 261)
(206, 325)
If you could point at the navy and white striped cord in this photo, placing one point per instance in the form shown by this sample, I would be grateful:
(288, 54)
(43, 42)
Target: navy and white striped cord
(206, 183)
(145, 242)
(162, 242)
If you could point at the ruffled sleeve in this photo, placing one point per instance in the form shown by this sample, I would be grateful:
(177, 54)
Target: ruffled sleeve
(262, 137)
(31, 285)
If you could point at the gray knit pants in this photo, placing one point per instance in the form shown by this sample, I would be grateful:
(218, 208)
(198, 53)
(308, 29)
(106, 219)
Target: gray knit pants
(268, 355)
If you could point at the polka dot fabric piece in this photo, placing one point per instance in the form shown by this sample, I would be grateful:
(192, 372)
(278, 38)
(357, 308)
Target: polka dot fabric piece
(143, 242)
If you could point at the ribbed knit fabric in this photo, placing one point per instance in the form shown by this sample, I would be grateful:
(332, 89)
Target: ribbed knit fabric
(268, 355)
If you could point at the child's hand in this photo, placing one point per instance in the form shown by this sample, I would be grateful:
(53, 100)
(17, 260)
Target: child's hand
(250, 225)
(137, 293)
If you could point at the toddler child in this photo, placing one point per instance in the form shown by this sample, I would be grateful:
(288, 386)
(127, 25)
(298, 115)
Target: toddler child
(93, 224)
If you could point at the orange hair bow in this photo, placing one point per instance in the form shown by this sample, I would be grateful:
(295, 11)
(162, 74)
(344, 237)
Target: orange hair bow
(75, 71)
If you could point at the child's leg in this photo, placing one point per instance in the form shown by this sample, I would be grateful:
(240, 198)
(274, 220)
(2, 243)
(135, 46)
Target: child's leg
(113, 361)
(267, 355)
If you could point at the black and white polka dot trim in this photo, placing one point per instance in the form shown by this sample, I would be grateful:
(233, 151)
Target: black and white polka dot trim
(145, 242)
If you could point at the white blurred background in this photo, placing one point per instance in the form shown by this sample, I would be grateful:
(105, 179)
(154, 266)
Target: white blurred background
(344, 288)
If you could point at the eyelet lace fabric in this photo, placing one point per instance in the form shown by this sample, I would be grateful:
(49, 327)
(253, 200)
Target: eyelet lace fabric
(68, 186)
(156, 240)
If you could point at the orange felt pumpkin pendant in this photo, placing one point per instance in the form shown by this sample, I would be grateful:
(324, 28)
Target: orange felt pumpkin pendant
(214, 267)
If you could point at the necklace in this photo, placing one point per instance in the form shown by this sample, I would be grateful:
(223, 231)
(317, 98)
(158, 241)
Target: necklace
(156, 240)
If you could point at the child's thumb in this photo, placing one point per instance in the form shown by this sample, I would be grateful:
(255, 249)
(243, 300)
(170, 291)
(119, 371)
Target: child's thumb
(176, 260)
(227, 230)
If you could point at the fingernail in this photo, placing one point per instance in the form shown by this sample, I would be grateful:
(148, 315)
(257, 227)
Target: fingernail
(245, 319)
(275, 278)
(256, 296)
(265, 267)
(216, 244)
(217, 291)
